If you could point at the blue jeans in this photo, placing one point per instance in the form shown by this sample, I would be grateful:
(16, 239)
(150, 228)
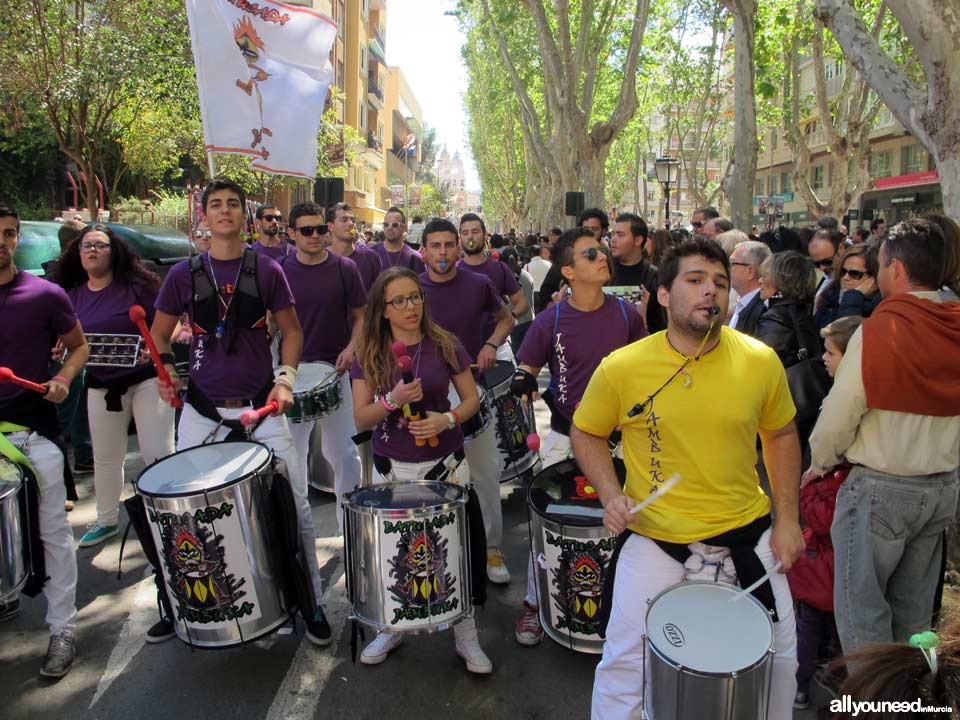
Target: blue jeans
(887, 539)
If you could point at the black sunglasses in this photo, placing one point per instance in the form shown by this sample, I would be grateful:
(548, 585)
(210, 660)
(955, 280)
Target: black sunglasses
(277, 217)
(855, 274)
(826, 262)
(308, 230)
(591, 254)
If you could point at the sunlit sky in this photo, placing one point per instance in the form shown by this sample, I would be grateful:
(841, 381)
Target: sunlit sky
(425, 44)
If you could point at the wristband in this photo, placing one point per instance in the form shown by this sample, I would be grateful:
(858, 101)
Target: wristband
(451, 420)
(491, 345)
(167, 359)
(455, 415)
(60, 379)
(387, 402)
(285, 381)
(288, 373)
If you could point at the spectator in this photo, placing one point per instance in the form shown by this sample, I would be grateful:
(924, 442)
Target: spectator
(538, 267)
(511, 258)
(823, 248)
(780, 239)
(853, 289)
(806, 234)
(878, 230)
(745, 263)
(894, 414)
(860, 236)
(657, 243)
(730, 239)
(950, 290)
(631, 269)
(414, 232)
(715, 226)
(827, 222)
(700, 218)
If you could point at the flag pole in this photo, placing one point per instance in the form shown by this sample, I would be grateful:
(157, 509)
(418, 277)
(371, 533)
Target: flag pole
(211, 164)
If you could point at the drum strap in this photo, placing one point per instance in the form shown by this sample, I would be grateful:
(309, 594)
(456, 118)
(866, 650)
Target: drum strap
(438, 472)
(203, 405)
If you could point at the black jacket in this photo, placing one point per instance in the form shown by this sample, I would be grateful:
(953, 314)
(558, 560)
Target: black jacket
(776, 328)
(853, 302)
(749, 317)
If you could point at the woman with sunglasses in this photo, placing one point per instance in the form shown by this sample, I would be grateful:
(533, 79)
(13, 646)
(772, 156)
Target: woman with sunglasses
(103, 279)
(395, 313)
(853, 289)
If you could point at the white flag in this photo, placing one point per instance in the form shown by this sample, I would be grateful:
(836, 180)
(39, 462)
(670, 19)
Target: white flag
(263, 71)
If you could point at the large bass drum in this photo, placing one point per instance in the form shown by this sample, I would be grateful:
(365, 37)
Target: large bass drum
(571, 551)
(13, 568)
(216, 530)
(407, 555)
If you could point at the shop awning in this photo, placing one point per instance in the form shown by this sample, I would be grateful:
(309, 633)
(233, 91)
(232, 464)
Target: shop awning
(926, 177)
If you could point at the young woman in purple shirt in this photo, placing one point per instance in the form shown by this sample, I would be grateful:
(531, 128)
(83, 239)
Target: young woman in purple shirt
(395, 313)
(103, 279)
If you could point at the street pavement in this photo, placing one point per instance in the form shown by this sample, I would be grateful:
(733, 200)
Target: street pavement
(117, 675)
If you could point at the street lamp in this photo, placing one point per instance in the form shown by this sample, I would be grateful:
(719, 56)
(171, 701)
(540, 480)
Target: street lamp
(667, 170)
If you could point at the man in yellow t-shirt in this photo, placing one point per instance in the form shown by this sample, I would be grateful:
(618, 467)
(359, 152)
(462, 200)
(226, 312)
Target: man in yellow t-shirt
(690, 401)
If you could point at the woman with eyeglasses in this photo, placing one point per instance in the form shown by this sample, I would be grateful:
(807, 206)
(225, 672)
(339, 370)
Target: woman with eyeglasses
(853, 289)
(395, 312)
(103, 279)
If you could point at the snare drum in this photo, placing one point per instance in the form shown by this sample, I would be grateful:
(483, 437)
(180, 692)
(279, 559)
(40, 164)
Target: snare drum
(316, 392)
(707, 657)
(407, 552)
(13, 568)
(512, 424)
(571, 551)
(215, 529)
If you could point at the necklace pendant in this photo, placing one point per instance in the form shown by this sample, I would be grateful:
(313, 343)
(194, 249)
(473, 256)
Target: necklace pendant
(219, 332)
(687, 380)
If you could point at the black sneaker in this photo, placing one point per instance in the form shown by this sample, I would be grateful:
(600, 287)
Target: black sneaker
(161, 631)
(318, 629)
(9, 610)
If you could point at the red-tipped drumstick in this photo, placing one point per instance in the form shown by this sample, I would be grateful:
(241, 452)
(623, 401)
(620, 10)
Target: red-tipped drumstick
(533, 442)
(6, 375)
(139, 317)
(251, 416)
(495, 255)
(414, 410)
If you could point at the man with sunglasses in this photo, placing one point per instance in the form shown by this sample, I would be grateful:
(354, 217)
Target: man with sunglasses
(269, 241)
(343, 229)
(571, 338)
(701, 216)
(330, 299)
(393, 251)
(822, 250)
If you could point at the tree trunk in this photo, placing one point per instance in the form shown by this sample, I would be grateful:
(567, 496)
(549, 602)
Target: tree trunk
(739, 185)
(948, 164)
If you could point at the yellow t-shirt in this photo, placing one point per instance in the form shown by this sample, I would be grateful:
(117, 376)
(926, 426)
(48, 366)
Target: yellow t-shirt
(703, 429)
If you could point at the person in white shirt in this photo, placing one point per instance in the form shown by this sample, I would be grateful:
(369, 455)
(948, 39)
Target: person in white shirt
(538, 266)
(745, 261)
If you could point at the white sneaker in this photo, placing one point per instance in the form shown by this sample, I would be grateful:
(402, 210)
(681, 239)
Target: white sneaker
(496, 569)
(381, 646)
(468, 648)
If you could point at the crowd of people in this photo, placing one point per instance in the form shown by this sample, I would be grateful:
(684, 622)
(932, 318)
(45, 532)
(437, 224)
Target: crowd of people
(671, 354)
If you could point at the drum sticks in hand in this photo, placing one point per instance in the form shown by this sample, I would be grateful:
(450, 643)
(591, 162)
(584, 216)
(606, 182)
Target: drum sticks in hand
(6, 375)
(414, 410)
(139, 317)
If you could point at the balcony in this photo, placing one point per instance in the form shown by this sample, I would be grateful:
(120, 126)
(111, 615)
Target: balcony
(378, 36)
(373, 152)
(374, 92)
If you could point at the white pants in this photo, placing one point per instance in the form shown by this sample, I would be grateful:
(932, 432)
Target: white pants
(337, 430)
(108, 432)
(505, 352)
(59, 554)
(194, 429)
(415, 472)
(643, 571)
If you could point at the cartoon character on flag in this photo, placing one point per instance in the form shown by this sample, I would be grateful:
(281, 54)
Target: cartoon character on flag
(251, 46)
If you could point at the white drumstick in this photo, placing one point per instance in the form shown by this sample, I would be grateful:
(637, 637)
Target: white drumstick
(666, 487)
(770, 573)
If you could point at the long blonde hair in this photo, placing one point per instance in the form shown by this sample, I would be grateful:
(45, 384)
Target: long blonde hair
(374, 351)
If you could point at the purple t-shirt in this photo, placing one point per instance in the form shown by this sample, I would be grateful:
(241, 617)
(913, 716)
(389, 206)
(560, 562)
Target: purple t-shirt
(574, 342)
(34, 313)
(216, 373)
(391, 437)
(274, 252)
(108, 311)
(325, 295)
(368, 263)
(500, 275)
(459, 306)
(405, 258)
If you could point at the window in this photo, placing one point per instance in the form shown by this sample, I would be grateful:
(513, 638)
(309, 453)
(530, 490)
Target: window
(879, 164)
(363, 59)
(774, 139)
(758, 190)
(785, 182)
(915, 159)
(340, 74)
(362, 115)
(772, 184)
(816, 177)
(341, 17)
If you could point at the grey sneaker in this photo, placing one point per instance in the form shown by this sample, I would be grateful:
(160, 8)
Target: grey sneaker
(60, 655)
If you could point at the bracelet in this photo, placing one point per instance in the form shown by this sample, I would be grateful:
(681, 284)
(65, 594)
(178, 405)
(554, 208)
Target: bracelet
(167, 359)
(387, 402)
(60, 379)
(451, 420)
(491, 345)
(455, 415)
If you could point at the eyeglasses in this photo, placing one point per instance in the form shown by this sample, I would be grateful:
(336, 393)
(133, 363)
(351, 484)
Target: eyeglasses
(825, 262)
(591, 254)
(308, 230)
(392, 225)
(98, 246)
(202, 233)
(276, 218)
(854, 274)
(741, 264)
(401, 302)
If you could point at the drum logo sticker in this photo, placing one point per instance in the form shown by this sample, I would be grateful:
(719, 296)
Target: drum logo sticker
(511, 431)
(208, 587)
(674, 635)
(576, 573)
(422, 586)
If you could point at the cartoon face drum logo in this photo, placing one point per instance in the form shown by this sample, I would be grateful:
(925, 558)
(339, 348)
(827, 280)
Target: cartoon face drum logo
(510, 431)
(576, 580)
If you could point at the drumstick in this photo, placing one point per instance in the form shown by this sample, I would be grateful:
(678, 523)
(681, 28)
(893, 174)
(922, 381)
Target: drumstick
(139, 317)
(411, 411)
(770, 573)
(6, 375)
(666, 487)
(251, 416)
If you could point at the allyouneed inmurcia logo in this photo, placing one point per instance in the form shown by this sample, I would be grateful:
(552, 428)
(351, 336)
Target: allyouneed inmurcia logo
(853, 708)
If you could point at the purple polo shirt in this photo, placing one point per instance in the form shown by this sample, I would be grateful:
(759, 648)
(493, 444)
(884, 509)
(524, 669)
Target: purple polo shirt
(503, 281)
(34, 314)
(218, 374)
(405, 258)
(274, 252)
(368, 263)
(460, 305)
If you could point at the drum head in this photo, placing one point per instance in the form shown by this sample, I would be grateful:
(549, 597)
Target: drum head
(310, 374)
(562, 493)
(11, 476)
(201, 468)
(696, 626)
(406, 496)
(499, 374)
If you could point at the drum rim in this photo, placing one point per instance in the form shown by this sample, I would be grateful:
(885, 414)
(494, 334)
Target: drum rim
(573, 520)
(372, 510)
(202, 491)
(506, 381)
(706, 673)
(12, 488)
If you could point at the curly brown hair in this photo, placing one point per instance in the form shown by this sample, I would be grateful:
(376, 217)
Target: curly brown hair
(374, 351)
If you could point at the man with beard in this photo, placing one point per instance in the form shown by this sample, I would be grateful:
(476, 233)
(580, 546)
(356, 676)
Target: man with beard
(631, 269)
(270, 242)
(343, 227)
(458, 301)
(393, 251)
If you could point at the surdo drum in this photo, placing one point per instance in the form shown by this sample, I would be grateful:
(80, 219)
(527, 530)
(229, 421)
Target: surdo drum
(571, 551)
(13, 568)
(407, 556)
(216, 529)
(512, 423)
(707, 657)
(316, 392)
